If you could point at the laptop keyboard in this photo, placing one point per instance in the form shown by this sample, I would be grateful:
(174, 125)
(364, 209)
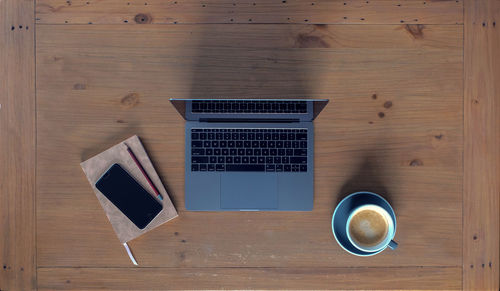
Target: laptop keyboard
(248, 106)
(249, 150)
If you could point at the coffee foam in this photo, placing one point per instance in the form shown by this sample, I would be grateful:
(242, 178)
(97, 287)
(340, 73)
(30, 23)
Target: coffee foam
(368, 228)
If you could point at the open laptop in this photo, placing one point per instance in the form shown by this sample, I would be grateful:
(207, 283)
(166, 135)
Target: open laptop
(249, 154)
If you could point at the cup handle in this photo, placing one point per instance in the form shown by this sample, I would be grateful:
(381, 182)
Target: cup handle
(393, 245)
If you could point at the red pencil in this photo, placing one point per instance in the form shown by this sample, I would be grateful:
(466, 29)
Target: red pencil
(144, 172)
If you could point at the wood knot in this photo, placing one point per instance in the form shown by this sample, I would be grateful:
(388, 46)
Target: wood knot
(304, 40)
(415, 30)
(143, 18)
(381, 114)
(388, 104)
(130, 100)
(79, 86)
(374, 96)
(416, 163)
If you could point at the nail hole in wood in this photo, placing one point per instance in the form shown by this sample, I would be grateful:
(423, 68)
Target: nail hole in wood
(416, 163)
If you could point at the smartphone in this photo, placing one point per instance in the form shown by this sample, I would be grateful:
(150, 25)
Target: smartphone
(128, 196)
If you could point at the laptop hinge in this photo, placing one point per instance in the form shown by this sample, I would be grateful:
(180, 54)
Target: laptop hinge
(249, 120)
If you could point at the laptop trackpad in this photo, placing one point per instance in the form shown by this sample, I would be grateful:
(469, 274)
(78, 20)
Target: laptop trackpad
(249, 190)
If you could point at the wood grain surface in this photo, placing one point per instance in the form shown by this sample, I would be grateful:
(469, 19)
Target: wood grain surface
(17, 145)
(394, 126)
(481, 149)
(249, 278)
(399, 123)
(250, 11)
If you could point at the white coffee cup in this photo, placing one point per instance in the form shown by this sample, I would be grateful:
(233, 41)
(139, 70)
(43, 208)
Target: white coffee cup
(370, 228)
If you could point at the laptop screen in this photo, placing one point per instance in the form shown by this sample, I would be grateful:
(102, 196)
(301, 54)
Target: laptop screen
(267, 109)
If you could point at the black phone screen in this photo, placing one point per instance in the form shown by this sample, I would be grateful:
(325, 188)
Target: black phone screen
(128, 196)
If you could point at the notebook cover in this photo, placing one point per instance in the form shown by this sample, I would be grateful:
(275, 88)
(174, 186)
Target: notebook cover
(94, 167)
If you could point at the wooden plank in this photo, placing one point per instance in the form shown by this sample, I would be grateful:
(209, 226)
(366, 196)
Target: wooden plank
(248, 278)
(17, 145)
(250, 11)
(481, 149)
(409, 149)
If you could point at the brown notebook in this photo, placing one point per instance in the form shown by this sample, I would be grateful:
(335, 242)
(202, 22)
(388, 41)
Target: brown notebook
(94, 167)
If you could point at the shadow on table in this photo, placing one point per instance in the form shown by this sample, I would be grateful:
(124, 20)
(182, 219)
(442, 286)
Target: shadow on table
(251, 61)
(366, 178)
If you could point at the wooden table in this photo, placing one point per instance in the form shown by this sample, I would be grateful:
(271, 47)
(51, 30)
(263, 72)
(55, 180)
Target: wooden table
(414, 116)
